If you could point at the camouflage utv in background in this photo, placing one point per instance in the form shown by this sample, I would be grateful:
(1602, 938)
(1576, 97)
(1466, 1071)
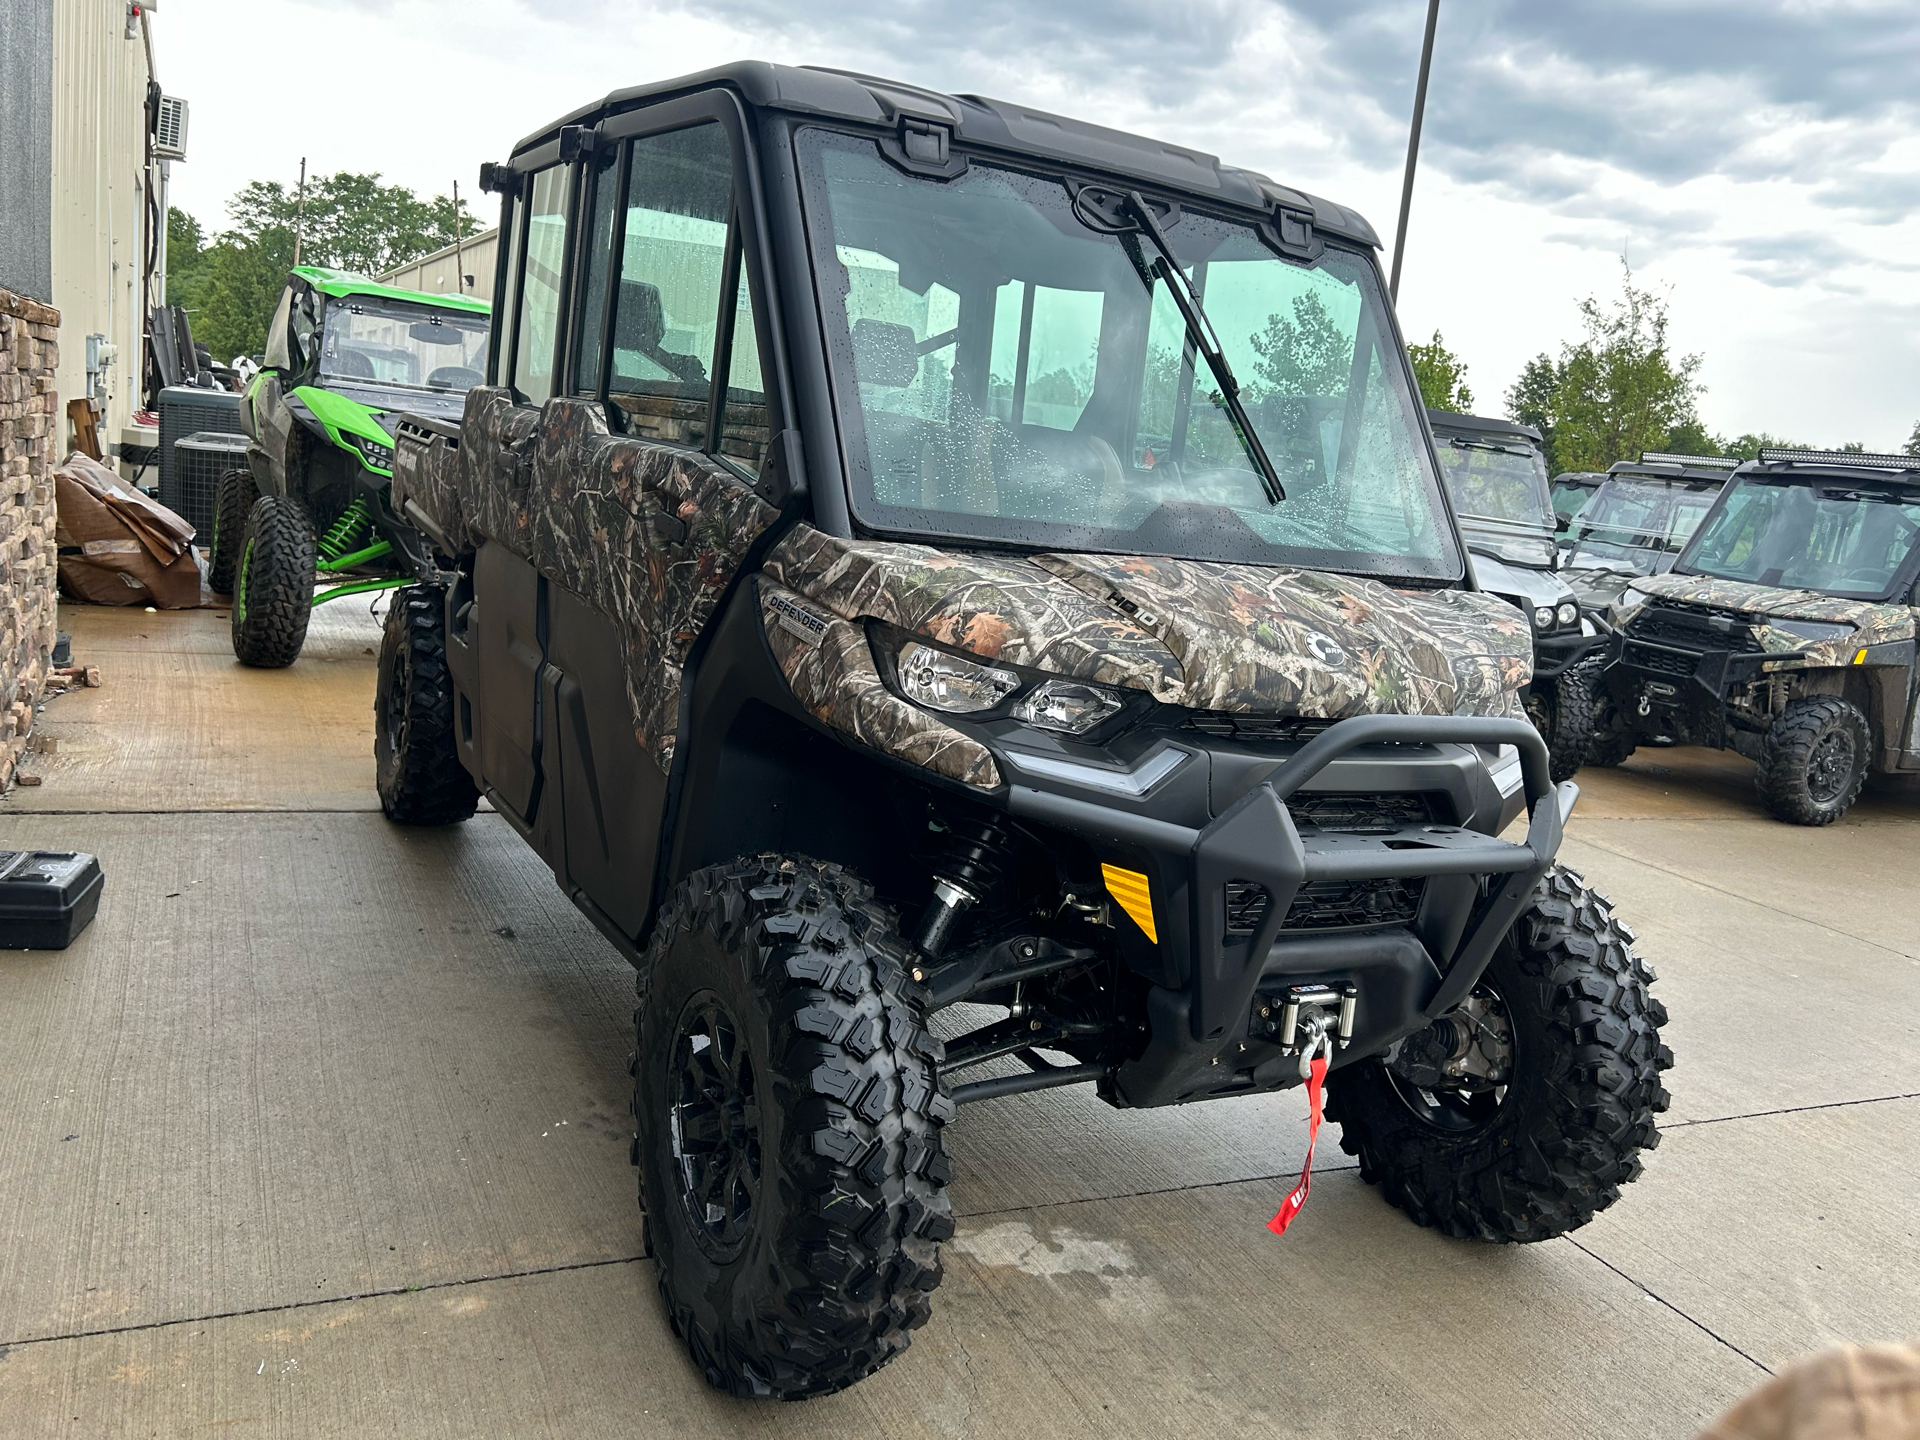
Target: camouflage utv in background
(1784, 632)
(899, 558)
(1497, 480)
(1637, 523)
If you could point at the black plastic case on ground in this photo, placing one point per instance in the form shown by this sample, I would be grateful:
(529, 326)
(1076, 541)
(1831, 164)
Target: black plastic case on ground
(46, 897)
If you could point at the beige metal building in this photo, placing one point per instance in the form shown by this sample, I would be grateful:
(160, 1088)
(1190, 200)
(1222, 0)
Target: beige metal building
(435, 273)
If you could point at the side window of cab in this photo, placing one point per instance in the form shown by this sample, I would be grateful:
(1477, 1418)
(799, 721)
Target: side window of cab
(667, 328)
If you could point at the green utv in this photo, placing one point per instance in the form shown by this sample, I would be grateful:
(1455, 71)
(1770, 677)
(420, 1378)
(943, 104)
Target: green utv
(911, 550)
(1785, 631)
(1497, 480)
(345, 356)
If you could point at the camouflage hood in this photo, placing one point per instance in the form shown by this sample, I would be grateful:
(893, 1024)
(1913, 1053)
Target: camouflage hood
(1873, 622)
(1243, 638)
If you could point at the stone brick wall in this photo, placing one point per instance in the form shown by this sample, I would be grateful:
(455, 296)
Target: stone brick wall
(29, 435)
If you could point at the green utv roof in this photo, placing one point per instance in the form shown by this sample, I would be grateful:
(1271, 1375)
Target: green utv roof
(341, 283)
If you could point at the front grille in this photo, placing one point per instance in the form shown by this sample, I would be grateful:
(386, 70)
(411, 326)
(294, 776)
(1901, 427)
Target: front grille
(1360, 811)
(1246, 906)
(1226, 725)
(1695, 627)
(1662, 662)
(1346, 904)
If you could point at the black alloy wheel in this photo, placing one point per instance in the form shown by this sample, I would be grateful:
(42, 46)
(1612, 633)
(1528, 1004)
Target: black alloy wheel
(715, 1126)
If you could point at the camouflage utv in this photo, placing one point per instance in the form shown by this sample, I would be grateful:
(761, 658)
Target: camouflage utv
(1784, 632)
(1497, 480)
(912, 550)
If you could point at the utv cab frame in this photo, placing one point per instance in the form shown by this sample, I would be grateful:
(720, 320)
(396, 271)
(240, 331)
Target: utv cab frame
(345, 356)
(1785, 632)
(912, 550)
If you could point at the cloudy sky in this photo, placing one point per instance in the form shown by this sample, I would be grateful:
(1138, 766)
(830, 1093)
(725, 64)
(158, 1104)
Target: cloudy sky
(1760, 158)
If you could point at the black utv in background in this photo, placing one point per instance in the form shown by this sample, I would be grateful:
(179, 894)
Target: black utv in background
(1637, 523)
(868, 582)
(1784, 632)
(1497, 480)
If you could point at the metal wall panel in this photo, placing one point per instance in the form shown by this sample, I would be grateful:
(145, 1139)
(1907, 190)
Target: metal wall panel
(434, 273)
(26, 142)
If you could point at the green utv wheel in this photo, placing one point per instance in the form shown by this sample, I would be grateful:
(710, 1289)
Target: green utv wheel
(1814, 760)
(233, 497)
(1561, 709)
(273, 593)
(788, 1126)
(417, 769)
(1521, 1114)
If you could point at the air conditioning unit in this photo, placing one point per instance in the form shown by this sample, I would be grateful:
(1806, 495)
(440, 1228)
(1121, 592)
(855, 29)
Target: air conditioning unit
(170, 134)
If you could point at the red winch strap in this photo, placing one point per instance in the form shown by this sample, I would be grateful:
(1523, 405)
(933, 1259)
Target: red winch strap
(1297, 1197)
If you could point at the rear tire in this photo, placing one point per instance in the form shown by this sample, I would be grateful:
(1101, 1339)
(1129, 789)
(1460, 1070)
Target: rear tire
(1814, 760)
(417, 767)
(788, 1128)
(1542, 1154)
(1561, 709)
(233, 497)
(273, 592)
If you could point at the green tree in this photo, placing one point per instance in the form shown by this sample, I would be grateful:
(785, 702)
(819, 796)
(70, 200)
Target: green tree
(244, 278)
(1618, 391)
(1912, 447)
(186, 259)
(1530, 401)
(1307, 355)
(1441, 375)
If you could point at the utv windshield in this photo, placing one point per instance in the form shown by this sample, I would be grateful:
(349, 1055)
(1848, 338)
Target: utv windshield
(1006, 374)
(1833, 537)
(1635, 526)
(389, 342)
(1499, 491)
(1570, 495)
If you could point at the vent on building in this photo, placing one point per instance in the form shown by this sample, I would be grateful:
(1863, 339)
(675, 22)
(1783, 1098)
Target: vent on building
(170, 135)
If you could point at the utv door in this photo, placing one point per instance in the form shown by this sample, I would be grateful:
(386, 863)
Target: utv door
(613, 526)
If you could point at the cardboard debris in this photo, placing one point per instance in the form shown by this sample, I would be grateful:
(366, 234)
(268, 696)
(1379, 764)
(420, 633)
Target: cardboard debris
(118, 547)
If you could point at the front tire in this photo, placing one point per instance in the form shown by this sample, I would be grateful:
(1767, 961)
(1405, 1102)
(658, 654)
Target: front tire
(417, 768)
(1561, 709)
(273, 592)
(788, 1127)
(233, 497)
(1563, 1023)
(1814, 760)
(1612, 737)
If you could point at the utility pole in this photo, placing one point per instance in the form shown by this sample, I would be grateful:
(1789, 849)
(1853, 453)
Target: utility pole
(1413, 149)
(459, 270)
(300, 210)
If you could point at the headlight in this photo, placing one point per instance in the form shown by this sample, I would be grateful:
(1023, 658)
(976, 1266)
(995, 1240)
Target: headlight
(1068, 706)
(1543, 617)
(1568, 613)
(940, 681)
(1811, 630)
(379, 456)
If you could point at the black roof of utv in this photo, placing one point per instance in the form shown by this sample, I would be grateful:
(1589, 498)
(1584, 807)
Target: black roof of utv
(975, 120)
(1481, 427)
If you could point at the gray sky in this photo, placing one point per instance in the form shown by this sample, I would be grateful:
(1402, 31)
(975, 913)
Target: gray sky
(1759, 157)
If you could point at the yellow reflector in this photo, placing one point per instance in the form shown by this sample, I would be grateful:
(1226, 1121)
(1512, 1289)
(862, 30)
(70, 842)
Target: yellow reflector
(1129, 887)
(1859, 657)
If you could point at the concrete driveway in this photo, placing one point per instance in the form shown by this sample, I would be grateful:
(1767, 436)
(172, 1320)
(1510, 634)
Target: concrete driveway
(321, 1131)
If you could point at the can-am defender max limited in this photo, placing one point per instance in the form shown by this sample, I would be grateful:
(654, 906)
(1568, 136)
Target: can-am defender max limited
(1784, 632)
(912, 550)
(1497, 481)
(345, 355)
(1637, 523)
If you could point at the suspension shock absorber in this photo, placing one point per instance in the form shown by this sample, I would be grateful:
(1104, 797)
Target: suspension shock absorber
(976, 857)
(345, 535)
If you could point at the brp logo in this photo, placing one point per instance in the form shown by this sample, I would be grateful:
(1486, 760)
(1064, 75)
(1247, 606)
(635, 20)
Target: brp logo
(1324, 649)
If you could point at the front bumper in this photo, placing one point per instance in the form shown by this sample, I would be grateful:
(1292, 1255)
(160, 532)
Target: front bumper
(1554, 653)
(1200, 1010)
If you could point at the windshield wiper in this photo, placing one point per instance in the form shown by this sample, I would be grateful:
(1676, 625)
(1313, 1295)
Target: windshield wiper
(1200, 332)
